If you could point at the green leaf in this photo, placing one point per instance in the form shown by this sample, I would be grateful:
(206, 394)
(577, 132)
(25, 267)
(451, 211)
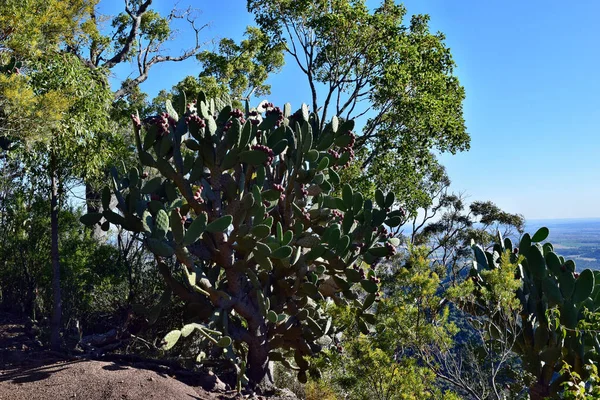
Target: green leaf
(279, 230)
(583, 286)
(195, 230)
(333, 177)
(347, 126)
(113, 217)
(272, 316)
(323, 164)
(348, 221)
(369, 286)
(307, 138)
(192, 144)
(160, 248)
(389, 199)
(211, 125)
(305, 112)
(187, 330)
(147, 159)
(525, 244)
(369, 300)
(161, 224)
(282, 252)
(344, 158)
(106, 198)
(170, 339)
(393, 222)
(480, 258)
(342, 245)
(176, 226)
(535, 262)
(287, 238)
(171, 110)
(343, 140)
(312, 155)
(201, 356)
(369, 318)
(394, 242)
(271, 195)
(260, 231)
(147, 222)
(220, 224)
(246, 133)
(540, 235)
(552, 292)
(352, 275)
(225, 341)
(553, 263)
(362, 326)
(335, 123)
(358, 202)
(347, 196)
(280, 146)
(253, 157)
(566, 283)
(91, 218)
(152, 185)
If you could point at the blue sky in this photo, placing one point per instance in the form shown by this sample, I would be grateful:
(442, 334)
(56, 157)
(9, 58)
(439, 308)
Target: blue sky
(530, 70)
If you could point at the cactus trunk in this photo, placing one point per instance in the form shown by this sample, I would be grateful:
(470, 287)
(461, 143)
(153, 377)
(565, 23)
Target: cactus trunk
(541, 389)
(258, 360)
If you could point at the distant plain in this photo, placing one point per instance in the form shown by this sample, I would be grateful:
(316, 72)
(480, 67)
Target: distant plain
(576, 239)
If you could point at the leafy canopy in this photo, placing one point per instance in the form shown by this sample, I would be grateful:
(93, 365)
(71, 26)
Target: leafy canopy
(367, 64)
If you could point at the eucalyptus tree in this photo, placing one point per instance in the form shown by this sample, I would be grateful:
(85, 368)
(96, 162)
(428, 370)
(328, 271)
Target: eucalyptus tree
(55, 95)
(399, 77)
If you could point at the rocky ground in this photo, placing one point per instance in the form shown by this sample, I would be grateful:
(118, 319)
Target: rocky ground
(29, 372)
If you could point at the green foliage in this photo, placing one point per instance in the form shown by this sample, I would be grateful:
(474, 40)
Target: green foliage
(576, 388)
(238, 172)
(451, 234)
(86, 265)
(80, 140)
(32, 27)
(552, 308)
(358, 60)
(374, 374)
(410, 319)
(414, 315)
(241, 69)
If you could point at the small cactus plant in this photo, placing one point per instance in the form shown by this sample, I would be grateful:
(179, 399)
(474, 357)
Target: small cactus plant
(550, 286)
(244, 202)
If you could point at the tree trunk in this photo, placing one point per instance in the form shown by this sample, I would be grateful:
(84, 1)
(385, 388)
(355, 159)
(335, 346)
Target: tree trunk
(259, 373)
(92, 199)
(541, 389)
(55, 340)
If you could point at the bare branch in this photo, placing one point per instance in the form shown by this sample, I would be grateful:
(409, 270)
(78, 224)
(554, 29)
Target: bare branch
(133, 32)
(144, 64)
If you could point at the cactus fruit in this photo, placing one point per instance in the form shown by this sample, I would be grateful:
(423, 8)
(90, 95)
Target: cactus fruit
(244, 201)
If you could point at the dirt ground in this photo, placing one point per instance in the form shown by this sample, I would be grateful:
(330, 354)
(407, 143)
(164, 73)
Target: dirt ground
(28, 372)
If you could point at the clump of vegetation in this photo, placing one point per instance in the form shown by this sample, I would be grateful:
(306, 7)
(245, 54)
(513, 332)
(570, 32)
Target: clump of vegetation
(534, 302)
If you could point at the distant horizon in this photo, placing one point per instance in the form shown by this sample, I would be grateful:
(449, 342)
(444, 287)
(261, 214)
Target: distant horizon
(561, 219)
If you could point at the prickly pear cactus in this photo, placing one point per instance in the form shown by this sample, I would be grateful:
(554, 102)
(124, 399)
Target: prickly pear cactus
(550, 287)
(243, 201)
